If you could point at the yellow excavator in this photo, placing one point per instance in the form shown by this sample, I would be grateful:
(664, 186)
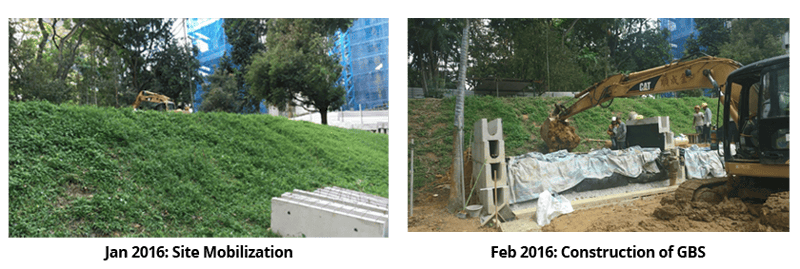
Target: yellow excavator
(704, 72)
(151, 100)
(756, 97)
(756, 146)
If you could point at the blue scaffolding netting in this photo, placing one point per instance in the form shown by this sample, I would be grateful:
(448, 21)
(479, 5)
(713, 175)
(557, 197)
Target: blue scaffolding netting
(365, 57)
(364, 48)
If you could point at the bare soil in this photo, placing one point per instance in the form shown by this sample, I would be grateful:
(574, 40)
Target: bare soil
(430, 215)
(649, 214)
(430, 208)
(663, 214)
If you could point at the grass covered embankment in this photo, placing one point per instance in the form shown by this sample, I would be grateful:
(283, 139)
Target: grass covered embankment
(82, 171)
(430, 124)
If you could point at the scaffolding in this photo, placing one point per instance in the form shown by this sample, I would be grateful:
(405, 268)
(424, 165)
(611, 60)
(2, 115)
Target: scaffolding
(364, 50)
(209, 37)
(365, 58)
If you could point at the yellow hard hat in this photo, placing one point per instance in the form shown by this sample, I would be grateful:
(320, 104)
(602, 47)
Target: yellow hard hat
(705, 105)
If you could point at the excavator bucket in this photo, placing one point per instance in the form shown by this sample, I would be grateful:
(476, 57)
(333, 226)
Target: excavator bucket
(558, 135)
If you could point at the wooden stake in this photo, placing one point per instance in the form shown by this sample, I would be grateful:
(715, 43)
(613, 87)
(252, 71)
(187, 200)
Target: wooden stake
(411, 189)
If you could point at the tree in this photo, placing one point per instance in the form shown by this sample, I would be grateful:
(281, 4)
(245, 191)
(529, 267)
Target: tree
(244, 36)
(149, 53)
(641, 46)
(220, 91)
(97, 61)
(173, 70)
(296, 68)
(43, 70)
(432, 46)
(755, 39)
(713, 34)
(457, 201)
(528, 49)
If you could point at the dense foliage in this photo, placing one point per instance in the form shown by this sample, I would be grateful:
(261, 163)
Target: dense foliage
(84, 171)
(558, 54)
(297, 68)
(569, 54)
(105, 62)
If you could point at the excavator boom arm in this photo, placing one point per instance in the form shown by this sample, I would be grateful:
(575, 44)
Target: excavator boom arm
(704, 72)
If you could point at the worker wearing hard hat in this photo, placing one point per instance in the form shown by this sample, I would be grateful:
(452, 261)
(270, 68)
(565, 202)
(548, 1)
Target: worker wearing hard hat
(707, 126)
(618, 134)
(610, 133)
(699, 122)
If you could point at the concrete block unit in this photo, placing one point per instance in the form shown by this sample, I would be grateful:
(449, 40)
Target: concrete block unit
(489, 131)
(661, 124)
(650, 132)
(330, 212)
(489, 165)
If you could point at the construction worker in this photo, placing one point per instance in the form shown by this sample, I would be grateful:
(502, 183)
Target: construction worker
(620, 133)
(611, 134)
(707, 127)
(699, 121)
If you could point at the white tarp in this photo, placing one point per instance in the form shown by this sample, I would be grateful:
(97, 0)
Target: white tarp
(533, 173)
(702, 163)
(550, 206)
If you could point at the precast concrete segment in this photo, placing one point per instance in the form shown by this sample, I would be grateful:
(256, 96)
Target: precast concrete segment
(346, 194)
(650, 132)
(338, 206)
(661, 123)
(348, 202)
(488, 130)
(330, 212)
(489, 168)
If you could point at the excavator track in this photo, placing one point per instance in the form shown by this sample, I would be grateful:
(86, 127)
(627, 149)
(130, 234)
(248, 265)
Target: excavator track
(689, 190)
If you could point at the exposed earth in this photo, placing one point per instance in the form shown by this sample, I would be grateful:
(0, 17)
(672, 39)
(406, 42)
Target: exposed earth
(658, 213)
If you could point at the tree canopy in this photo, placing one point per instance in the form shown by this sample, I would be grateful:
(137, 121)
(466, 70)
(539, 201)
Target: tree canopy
(297, 67)
(98, 61)
(559, 54)
(569, 54)
(755, 39)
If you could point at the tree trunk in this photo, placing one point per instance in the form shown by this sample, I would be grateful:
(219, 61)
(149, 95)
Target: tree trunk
(45, 35)
(323, 114)
(422, 71)
(458, 202)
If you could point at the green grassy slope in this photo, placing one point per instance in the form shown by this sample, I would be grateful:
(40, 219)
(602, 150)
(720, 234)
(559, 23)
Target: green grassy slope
(431, 124)
(87, 171)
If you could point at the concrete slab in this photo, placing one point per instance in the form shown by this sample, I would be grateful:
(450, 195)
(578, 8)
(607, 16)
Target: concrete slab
(330, 212)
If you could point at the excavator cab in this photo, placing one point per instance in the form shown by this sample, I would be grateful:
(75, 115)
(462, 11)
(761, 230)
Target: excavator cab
(762, 131)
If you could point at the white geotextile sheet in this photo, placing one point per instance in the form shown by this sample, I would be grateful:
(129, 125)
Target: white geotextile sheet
(533, 173)
(551, 206)
(703, 163)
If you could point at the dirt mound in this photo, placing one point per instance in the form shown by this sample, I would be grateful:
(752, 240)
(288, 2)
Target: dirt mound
(775, 212)
(730, 211)
(559, 135)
